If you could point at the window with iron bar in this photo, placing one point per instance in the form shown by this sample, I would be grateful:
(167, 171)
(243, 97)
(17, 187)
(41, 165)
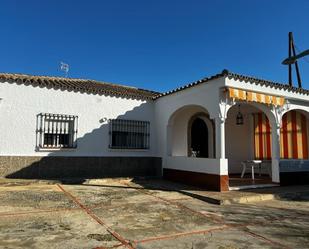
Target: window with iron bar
(129, 134)
(56, 130)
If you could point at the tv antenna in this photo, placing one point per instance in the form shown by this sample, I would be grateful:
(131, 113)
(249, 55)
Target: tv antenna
(292, 59)
(65, 68)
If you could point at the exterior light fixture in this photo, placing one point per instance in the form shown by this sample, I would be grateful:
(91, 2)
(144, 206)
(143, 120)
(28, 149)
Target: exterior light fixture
(239, 117)
(103, 120)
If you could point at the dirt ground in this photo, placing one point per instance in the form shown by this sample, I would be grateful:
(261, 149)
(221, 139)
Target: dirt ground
(119, 213)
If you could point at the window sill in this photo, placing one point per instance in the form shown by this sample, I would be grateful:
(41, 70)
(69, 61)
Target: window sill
(54, 149)
(129, 150)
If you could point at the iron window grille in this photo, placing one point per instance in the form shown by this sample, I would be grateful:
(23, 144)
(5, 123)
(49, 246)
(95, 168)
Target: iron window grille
(129, 134)
(56, 130)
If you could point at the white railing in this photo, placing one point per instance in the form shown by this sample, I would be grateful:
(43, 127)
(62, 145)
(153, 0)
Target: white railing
(196, 164)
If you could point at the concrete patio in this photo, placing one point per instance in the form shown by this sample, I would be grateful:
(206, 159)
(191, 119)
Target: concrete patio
(126, 213)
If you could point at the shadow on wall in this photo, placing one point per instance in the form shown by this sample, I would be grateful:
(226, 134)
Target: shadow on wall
(69, 164)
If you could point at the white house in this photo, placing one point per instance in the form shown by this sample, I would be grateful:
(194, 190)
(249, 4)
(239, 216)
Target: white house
(204, 133)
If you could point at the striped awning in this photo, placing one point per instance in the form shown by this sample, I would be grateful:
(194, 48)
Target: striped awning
(250, 96)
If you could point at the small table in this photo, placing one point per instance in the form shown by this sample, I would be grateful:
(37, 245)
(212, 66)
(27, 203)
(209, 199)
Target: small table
(251, 164)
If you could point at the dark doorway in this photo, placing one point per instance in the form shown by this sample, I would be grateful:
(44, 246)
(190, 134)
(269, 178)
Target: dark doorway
(199, 138)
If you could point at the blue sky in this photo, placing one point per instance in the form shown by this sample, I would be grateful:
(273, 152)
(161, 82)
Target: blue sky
(156, 45)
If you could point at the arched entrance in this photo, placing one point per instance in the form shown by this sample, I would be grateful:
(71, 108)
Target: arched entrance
(294, 149)
(293, 137)
(199, 138)
(190, 130)
(188, 121)
(248, 146)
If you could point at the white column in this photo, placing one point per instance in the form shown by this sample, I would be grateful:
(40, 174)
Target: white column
(220, 146)
(275, 170)
(220, 138)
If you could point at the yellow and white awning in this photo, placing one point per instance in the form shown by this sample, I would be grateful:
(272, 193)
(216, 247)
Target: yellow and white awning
(250, 96)
(237, 94)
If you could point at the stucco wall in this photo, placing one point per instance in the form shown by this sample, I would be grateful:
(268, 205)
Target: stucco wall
(201, 165)
(20, 104)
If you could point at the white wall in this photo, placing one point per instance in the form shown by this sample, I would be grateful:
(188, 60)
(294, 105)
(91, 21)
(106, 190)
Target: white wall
(194, 164)
(20, 104)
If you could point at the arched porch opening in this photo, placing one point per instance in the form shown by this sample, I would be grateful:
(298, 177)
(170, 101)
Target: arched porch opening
(190, 126)
(248, 144)
(191, 149)
(294, 153)
(294, 135)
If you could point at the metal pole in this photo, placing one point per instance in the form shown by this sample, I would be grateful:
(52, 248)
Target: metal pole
(296, 64)
(290, 54)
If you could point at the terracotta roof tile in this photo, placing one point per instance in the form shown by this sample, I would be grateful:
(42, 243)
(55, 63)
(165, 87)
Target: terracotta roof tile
(246, 79)
(97, 87)
(79, 85)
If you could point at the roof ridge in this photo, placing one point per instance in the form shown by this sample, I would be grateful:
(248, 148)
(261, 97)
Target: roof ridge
(43, 76)
(263, 81)
(229, 74)
(81, 85)
(76, 84)
(191, 84)
(75, 79)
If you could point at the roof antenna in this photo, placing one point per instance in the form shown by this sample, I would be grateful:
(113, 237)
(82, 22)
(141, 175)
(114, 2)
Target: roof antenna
(65, 68)
(292, 59)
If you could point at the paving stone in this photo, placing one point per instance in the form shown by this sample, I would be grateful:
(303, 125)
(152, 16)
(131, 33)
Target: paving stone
(151, 214)
(227, 239)
(29, 197)
(57, 230)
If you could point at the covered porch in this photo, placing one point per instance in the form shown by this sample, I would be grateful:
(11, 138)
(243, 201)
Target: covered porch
(221, 153)
(210, 128)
